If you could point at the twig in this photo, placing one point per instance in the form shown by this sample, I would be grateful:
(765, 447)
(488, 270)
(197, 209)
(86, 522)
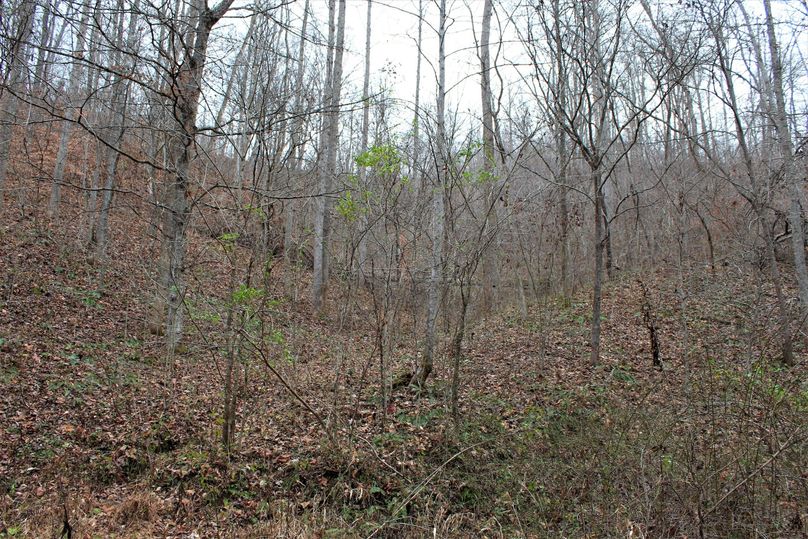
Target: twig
(423, 484)
(288, 386)
(791, 440)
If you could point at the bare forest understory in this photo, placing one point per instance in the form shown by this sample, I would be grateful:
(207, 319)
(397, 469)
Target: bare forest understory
(404, 269)
(103, 436)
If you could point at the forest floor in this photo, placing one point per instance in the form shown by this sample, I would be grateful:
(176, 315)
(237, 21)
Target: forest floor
(99, 431)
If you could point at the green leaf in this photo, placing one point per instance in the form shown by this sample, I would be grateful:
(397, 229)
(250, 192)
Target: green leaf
(229, 237)
(244, 294)
(384, 159)
(348, 207)
(667, 463)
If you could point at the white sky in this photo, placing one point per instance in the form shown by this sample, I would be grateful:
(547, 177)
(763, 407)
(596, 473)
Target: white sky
(394, 50)
(393, 45)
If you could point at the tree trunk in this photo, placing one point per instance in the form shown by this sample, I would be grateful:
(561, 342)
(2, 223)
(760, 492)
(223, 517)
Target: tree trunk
(600, 108)
(562, 153)
(46, 31)
(787, 154)
(363, 147)
(755, 198)
(231, 378)
(415, 170)
(491, 253)
(328, 161)
(607, 235)
(122, 88)
(438, 217)
(296, 168)
(180, 147)
(457, 352)
(598, 278)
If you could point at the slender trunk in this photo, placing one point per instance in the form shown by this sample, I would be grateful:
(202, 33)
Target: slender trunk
(777, 280)
(323, 176)
(239, 61)
(100, 121)
(598, 280)
(363, 245)
(710, 245)
(755, 199)
(680, 274)
(562, 153)
(416, 121)
(122, 88)
(40, 84)
(180, 148)
(91, 200)
(491, 254)
(607, 236)
(416, 171)
(787, 154)
(438, 217)
(415, 165)
(158, 117)
(600, 108)
(102, 226)
(328, 168)
(231, 378)
(457, 353)
(91, 196)
(520, 284)
(59, 170)
(296, 168)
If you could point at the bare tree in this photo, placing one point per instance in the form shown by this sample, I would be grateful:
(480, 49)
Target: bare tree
(121, 85)
(327, 159)
(297, 137)
(186, 89)
(599, 115)
(490, 168)
(436, 277)
(14, 81)
(787, 155)
(754, 193)
(73, 105)
(363, 144)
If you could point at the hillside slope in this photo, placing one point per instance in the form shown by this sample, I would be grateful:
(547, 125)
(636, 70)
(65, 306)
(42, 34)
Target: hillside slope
(100, 431)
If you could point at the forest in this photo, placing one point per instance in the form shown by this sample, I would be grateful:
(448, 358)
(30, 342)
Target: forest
(403, 268)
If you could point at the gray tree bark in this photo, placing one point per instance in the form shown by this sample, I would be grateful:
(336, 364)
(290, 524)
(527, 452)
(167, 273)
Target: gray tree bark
(42, 57)
(363, 146)
(562, 153)
(490, 167)
(438, 213)
(755, 196)
(328, 162)
(296, 137)
(787, 154)
(179, 149)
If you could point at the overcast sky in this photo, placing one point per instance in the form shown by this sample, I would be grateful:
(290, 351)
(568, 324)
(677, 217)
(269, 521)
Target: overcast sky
(394, 50)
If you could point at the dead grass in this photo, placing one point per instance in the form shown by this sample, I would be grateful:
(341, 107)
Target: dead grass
(137, 510)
